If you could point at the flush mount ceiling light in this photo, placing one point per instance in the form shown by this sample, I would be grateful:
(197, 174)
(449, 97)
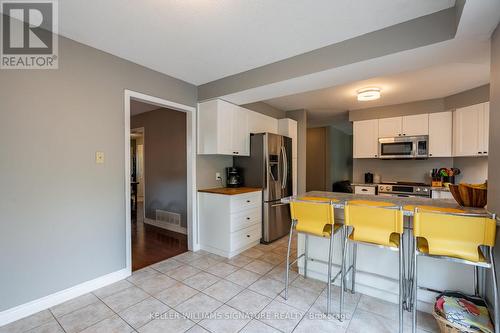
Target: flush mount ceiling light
(368, 94)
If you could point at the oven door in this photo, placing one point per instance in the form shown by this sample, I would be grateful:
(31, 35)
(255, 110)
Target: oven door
(391, 148)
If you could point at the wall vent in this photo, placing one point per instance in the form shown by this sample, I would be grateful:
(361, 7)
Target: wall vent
(168, 217)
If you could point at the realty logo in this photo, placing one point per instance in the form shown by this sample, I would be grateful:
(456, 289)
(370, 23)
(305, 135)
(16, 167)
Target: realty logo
(29, 34)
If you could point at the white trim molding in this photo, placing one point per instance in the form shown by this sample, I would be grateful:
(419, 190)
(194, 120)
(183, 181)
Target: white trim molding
(59, 297)
(166, 226)
(192, 220)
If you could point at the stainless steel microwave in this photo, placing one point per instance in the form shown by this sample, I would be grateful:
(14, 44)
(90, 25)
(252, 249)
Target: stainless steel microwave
(404, 147)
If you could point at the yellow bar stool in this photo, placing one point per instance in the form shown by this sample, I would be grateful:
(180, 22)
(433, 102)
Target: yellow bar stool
(456, 237)
(379, 224)
(313, 216)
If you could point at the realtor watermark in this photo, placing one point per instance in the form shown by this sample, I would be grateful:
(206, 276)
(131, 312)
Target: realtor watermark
(29, 34)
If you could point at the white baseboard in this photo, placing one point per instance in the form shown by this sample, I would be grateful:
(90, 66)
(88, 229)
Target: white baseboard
(227, 254)
(167, 226)
(59, 297)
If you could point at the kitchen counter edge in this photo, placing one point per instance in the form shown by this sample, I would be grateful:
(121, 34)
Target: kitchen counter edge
(230, 190)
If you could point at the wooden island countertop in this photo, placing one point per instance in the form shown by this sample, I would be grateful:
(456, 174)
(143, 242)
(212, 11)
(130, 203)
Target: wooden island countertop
(231, 190)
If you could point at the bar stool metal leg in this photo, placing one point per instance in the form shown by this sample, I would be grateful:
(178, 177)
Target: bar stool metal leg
(353, 268)
(401, 280)
(343, 270)
(415, 288)
(476, 280)
(495, 291)
(288, 258)
(329, 282)
(306, 246)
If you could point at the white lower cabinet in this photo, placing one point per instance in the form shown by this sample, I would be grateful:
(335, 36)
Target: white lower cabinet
(229, 224)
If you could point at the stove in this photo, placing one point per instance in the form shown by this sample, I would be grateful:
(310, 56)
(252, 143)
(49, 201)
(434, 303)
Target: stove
(405, 189)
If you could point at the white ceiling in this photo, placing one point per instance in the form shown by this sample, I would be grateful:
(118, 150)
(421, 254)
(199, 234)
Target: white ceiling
(203, 40)
(427, 83)
(427, 72)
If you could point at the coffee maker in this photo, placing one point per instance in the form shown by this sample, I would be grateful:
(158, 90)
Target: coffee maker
(233, 177)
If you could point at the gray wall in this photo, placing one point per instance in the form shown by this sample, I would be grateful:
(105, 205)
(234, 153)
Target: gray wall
(474, 169)
(165, 161)
(208, 165)
(469, 97)
(301, 117)
(494, 153)
(340, 155)
(63, 216)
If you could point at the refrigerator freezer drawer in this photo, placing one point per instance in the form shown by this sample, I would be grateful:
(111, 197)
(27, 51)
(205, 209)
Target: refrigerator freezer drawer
(277, 221)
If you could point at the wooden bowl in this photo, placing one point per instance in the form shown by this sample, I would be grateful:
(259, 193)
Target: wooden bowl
(469, 196)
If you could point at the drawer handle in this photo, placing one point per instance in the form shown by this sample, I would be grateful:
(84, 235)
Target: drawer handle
(248, 201)
(248, 218)
(364, 190)
(248, 236)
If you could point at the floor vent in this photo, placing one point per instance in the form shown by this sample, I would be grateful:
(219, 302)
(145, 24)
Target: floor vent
(168, 217)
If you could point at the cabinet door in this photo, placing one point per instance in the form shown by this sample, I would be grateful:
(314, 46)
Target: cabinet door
(484, 129)
(225, 120)
(465, 131)
(240, 136)
(440, 134)
(365, 139)
(416, 125)
(390, 127)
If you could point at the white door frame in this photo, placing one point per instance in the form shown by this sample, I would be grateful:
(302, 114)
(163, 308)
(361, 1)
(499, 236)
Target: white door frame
(192, 221)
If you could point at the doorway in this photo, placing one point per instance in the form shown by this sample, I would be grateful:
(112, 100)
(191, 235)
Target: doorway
(159, 179)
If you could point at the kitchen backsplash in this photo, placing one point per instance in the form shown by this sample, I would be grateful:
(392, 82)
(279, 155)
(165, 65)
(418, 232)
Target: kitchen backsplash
(473, 169)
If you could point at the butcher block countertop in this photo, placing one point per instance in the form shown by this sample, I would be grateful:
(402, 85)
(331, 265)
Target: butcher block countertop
(231, 190)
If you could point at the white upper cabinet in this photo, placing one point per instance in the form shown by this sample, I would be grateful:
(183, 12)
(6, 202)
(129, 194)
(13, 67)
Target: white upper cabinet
(416, 125)
(471, 130)
(365, 138)
(403, 126)
(390, 127)
(223, 129)
(440, 134)
(484, 128)
(240, 141)
(260, 123)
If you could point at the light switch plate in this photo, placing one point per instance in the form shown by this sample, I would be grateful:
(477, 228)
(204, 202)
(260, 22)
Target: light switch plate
(99, 157)
(217, 176)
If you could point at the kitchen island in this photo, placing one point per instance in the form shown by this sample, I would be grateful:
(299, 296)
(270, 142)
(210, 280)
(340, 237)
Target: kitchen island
(377, 268)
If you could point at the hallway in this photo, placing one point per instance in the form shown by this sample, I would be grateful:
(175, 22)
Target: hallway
(151, 244)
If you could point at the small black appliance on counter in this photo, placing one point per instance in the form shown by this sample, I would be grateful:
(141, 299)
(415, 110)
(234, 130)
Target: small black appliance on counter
(368, 178)
(233, 177)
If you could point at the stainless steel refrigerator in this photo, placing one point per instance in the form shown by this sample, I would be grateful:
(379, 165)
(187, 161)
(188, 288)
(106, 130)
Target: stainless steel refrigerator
(269, 166)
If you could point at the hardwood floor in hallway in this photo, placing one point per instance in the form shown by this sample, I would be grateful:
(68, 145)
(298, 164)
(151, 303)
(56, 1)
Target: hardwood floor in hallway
(151, 244)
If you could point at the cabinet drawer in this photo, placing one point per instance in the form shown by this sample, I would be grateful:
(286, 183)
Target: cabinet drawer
(364, 190)
(245, 201)
(245, 218)
(245, 236)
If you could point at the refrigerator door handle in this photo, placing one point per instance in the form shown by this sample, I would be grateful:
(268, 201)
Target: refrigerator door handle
(285, 168)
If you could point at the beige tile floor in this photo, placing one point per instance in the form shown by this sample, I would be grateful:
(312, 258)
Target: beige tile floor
(201, 292)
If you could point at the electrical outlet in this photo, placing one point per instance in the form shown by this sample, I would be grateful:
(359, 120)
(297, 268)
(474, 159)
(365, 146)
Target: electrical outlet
(217, 176)
(99, 157)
